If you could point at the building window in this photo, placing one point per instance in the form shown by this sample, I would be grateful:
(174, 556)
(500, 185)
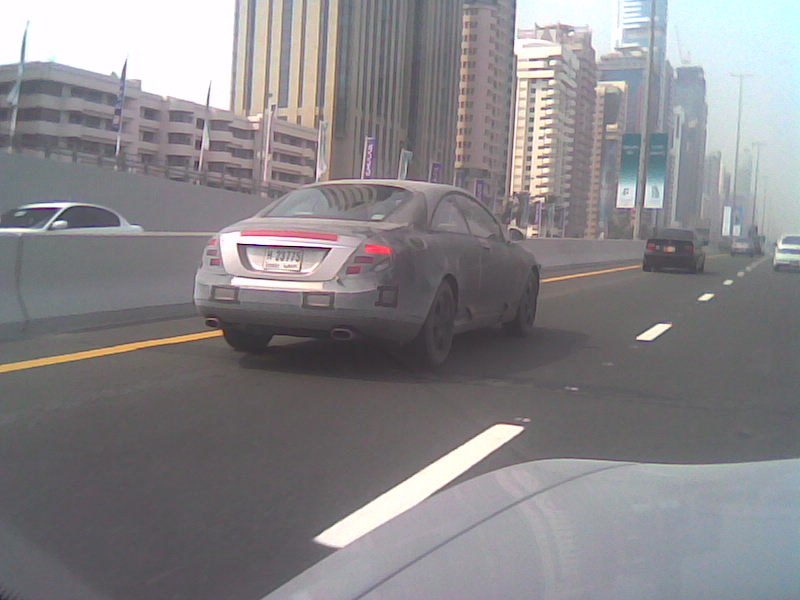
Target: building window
(180, 116)
(147, 136)
(218, 146)
(242, 153)
(39, 114)
(242, 134)
(177, 161)
(39, 86)
(93, 122)
(184, 139)
(150, 114)
(219, 125)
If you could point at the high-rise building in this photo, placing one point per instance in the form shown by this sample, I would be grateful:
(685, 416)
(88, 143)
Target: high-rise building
(544, 129)
(386, 70)
(609, 127)
(553, 123)
(690, 98)
(633, 26)
(712, 196)
(485, 99)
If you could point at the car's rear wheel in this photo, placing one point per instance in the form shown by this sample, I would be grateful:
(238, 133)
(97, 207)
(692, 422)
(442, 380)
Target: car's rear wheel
(702, 268)
(646, 267)
(245, 341)
(432, 345)
(522, 323)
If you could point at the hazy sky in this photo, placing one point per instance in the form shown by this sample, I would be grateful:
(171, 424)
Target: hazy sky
(177, 46)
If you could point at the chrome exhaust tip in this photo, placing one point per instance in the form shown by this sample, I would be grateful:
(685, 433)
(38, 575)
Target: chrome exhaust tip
(342, 334)
(212, 322)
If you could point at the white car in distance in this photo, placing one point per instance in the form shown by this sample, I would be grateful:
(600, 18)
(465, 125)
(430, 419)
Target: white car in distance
(787, 252)
(74, 217)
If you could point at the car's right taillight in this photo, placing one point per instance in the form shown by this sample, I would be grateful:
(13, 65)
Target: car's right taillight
(689, 248)
(651, 247)
(211, 255)
(370, 257)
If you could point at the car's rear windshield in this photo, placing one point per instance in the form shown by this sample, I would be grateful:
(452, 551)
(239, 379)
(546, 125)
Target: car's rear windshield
(673, 234)
(30, 218)
(354, 202)
(791, 239)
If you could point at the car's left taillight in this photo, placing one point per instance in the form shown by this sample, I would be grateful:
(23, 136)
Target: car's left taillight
(212, 257)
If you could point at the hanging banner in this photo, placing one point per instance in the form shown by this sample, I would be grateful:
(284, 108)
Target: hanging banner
(629, 170)
(435, 175)
(726, 221)
(656, 171)
(368, 162)
(322, 150)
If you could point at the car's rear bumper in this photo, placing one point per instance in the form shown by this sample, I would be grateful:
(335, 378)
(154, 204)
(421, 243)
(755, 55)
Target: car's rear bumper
(367, 312)
(670, 261)
(787, 263)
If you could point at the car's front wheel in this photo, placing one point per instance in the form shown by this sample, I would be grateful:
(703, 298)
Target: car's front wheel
(245, 341)
(522, 323)
(433, 343)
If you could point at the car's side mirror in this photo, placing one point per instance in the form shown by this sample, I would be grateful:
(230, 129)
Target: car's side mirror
(59, 225)
(516, 235)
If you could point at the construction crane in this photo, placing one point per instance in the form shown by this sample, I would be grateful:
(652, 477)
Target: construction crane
(686, 59)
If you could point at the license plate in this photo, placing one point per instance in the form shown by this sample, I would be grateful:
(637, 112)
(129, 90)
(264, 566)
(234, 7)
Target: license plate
(669, 249)
(283, 259)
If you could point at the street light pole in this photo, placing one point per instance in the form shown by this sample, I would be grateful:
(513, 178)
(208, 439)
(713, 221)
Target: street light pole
(741, 77)
(757, 146)
(645, 143)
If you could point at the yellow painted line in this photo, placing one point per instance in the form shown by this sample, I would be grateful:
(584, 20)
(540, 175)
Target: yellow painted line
(194, 337)
(590, 274)
(109, 351)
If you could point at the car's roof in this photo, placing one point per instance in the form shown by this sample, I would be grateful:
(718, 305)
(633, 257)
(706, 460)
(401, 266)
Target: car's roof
(407, 184)
(788, 235)
(61, 204)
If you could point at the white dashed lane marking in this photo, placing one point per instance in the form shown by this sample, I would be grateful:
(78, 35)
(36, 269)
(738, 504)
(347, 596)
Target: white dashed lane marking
(654, 332)
(419, 486)
(728, 282)
(705, 297)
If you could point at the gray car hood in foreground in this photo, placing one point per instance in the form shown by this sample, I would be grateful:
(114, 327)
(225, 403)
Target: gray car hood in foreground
(574, 529)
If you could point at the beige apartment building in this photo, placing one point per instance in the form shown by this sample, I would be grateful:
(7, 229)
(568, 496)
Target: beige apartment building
(67, 113)
(611, 109)
(544, 127)
(386, 70)
(485, 96)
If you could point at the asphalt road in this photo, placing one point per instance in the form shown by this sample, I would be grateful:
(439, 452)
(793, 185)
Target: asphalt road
(189, 471)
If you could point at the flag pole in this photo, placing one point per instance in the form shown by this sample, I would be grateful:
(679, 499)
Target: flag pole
(120, 109)
(16, 92)
(206, 139)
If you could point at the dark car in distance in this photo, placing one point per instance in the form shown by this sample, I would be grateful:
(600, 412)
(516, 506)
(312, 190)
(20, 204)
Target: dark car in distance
(675, 249)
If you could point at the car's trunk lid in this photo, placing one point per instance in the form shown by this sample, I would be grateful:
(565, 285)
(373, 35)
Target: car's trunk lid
(294, 249)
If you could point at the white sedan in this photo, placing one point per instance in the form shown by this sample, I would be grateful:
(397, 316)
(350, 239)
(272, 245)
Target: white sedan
(65, 216)
(787, 252)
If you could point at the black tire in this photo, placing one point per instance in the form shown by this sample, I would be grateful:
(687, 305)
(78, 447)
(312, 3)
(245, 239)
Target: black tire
(702, 268)
(244, 341)
(646, 267)
(522, 323)
(433, 342)
(776, 268)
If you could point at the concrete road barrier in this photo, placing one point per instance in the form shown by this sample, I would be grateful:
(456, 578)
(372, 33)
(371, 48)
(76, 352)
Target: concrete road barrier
(553, 253)
(12, 313)
(106, 278)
